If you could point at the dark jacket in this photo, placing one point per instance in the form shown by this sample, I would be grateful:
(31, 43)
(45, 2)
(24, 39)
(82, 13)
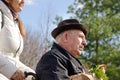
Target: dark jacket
(58, 64)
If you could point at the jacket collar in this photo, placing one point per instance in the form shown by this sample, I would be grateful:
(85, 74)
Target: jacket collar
(62, 50)
(6, 10)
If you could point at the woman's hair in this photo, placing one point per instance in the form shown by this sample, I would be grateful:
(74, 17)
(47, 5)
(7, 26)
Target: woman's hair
(20, 24)
(21, 27)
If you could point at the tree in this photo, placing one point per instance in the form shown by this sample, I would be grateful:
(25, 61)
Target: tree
(33, 48)
(102, 18)
(36, 43)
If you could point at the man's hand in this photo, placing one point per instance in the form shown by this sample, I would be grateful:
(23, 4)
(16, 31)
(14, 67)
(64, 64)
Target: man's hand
(18, 75)
(81, 76)
(87, 76)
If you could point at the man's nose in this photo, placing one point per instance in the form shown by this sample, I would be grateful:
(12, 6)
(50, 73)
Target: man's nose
(84, 42)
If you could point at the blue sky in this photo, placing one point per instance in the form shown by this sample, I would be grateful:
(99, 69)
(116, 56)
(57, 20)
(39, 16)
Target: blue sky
(36, 12)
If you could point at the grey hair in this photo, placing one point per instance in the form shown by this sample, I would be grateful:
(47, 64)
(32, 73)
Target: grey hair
(58, 37)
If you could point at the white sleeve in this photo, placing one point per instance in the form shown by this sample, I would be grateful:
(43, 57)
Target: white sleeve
(6, 67)
(0, 20)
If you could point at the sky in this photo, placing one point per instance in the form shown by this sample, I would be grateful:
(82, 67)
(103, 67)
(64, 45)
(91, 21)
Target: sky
(37, 12)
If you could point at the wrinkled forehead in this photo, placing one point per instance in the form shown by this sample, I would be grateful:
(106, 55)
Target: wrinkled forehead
(75, 32)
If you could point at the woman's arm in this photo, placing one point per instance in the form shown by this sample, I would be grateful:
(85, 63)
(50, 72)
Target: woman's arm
(6, 67)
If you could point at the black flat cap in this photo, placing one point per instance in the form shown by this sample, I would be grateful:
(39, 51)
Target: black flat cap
(67, 25)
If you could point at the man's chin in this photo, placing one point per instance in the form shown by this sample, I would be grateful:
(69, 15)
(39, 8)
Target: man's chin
(80, 52)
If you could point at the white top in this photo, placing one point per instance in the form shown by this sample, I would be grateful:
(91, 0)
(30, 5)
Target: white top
(10, 41)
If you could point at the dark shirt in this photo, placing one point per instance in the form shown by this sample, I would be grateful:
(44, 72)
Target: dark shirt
(58, 64)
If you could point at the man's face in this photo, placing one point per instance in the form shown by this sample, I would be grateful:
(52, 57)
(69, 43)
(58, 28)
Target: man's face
(15, 5)
(76, 41)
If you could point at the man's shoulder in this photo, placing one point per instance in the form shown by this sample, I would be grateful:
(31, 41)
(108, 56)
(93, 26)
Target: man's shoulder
(56, 54)
(52, 53)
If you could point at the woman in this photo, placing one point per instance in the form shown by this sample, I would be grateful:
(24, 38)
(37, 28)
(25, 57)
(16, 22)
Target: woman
(11, 40)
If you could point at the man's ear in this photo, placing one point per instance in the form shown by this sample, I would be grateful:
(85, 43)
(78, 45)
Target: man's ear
(65, 36)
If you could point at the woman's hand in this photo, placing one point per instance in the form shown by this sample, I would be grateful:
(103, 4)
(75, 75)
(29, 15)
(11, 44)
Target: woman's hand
(18, 75)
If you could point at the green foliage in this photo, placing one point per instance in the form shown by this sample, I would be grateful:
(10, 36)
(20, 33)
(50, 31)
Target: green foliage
(112, 72)
(95, 7)
(98, 72)
(102, 17)
(57, 20)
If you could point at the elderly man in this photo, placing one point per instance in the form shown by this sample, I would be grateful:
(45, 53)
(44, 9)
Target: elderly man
(61, 61)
